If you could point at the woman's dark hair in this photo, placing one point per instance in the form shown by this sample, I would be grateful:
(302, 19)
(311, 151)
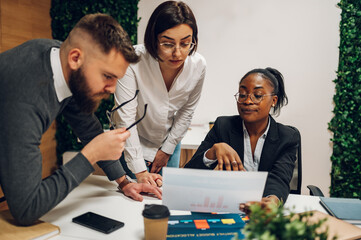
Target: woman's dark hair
(168, 15)
(276, 80)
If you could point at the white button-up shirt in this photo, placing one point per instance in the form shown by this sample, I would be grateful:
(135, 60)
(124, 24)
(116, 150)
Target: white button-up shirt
(169, 114)
(251, 163)
(61, 87)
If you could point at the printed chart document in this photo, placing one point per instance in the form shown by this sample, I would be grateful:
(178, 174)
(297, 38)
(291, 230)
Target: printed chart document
(210, 191)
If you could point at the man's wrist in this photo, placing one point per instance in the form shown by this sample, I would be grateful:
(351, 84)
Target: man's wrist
(123, 182)
(91, 158)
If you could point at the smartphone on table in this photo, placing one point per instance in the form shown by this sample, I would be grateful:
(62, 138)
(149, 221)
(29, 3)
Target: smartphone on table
(98, 222)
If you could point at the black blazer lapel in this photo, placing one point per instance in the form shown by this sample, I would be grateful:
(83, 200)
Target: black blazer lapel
(270, 144)
(236, 139)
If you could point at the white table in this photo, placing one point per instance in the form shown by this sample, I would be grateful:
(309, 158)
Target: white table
(98, 195)
(194, 136)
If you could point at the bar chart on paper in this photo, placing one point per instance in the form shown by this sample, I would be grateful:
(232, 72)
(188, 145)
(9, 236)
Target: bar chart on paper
(208, 202)
(210, 191)
(202, 200)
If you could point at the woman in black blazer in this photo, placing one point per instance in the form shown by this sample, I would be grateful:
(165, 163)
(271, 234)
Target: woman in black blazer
(253, 140)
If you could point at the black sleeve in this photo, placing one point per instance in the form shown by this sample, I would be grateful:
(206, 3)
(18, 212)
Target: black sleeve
(279, 177)
(27, 194)
(87, 127)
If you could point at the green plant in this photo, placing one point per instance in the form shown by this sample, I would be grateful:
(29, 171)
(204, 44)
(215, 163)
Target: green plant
(64, 15)
(346, 123)
(272, 224)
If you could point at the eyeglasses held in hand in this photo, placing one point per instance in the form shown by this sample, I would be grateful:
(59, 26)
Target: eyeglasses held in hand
(256, 98)
(110, 113)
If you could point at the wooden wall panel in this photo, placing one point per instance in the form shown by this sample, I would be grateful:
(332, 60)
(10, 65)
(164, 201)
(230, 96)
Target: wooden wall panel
(1, 40)
(22, 20)
(186, 155)
(48, 151)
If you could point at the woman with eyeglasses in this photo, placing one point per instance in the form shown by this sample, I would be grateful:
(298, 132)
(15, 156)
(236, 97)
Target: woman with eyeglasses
(169, 77)
(253, 140)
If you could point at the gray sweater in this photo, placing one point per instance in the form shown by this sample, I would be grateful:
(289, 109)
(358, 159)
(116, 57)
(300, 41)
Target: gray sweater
(28, 105)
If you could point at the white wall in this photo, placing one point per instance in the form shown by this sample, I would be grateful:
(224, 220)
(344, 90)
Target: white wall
(300, 38)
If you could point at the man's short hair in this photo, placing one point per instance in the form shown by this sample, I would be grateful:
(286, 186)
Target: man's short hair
(107, 33)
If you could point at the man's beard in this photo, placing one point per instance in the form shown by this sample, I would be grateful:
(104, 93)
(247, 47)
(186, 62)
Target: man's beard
(81, 92)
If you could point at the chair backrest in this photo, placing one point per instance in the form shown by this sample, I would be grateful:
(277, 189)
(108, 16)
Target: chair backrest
(296, 181)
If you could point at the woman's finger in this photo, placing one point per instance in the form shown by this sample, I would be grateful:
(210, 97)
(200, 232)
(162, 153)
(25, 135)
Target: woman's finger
(227, 163)
(234, 165)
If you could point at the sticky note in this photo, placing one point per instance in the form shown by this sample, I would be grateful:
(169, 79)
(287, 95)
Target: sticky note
(173, 222)
(214, 220)
(201, 224)
(186, 221)
(228, 221)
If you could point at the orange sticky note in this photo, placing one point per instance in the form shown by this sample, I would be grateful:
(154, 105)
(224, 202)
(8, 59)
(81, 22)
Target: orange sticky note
(201, 224)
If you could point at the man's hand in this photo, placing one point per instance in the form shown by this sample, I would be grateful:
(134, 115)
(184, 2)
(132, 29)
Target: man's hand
(133, 190)
(226, 156)
(106, 146)
(150, 178)
(161, 159)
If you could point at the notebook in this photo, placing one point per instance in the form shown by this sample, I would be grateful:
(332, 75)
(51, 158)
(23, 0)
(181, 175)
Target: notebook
(348, 209)
(39, 231)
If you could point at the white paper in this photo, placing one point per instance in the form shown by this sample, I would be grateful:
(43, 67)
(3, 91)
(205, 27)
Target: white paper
(210, 191)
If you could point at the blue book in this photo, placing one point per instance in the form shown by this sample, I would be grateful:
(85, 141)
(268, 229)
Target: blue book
(202, 226)
(347, 209)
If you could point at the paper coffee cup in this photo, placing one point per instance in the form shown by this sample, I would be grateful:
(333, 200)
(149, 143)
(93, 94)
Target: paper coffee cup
(155, 221)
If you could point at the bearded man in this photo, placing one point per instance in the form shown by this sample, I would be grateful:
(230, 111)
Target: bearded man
(43, 78)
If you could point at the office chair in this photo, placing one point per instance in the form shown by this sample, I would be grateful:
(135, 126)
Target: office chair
(315, 191)
(296, 181)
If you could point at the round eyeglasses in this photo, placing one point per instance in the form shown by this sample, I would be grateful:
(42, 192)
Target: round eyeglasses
(184, 47)
(256, 98)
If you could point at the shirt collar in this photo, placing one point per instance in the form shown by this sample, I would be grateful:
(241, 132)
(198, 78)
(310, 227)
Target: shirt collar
(264, 135)
(61, 87)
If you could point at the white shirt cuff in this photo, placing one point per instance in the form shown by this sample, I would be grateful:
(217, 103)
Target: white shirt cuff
(168, 147)
(206, 161)
(136, 165)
